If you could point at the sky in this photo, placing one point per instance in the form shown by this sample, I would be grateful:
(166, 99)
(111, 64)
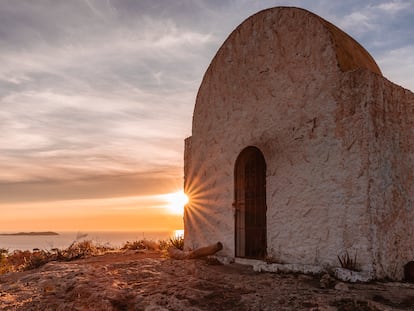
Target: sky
(96, 99)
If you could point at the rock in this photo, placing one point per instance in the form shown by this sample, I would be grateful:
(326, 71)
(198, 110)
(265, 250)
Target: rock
(261, 266)
(154, 307)
(326, 281)
(352, 276)
(84, 285)
(342, 287)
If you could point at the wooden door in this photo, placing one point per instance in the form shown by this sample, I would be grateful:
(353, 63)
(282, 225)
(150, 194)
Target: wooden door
(250, 204)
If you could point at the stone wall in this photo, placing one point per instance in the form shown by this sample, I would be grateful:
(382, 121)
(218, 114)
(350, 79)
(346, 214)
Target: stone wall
(391, 183)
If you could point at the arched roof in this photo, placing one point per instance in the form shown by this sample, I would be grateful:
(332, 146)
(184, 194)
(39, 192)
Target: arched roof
(275, 56)
(349, 53)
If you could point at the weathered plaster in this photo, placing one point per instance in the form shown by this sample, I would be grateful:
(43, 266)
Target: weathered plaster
(338, 145)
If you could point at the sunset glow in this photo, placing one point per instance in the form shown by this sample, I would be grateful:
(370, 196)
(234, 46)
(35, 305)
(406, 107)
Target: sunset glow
(135, 213)
(97, 98)
(176, 202)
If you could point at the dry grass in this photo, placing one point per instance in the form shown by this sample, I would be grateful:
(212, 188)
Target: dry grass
(27, 260)
(141, 245)
(177, 242)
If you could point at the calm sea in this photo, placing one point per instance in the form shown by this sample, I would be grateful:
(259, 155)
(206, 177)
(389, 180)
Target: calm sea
(64, 239)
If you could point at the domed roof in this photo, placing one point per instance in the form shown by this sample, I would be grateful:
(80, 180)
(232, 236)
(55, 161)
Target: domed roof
(276, 56)
(350, 54)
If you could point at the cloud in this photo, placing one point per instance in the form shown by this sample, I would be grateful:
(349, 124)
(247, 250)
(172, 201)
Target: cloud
(117, 97)
(149, 182)
(100, 88)
(398, 66)
(358, 22)
(393, 7)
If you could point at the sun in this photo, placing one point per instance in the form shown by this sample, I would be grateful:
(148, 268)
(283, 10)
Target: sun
(176, 202)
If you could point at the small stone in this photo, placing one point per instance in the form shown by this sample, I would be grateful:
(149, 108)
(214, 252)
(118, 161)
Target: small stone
(326, 281)
(342, 287)
(154, 307)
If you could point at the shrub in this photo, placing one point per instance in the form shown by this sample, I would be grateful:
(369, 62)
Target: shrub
(80, 249)
(37, 259)
(4, 267)
(26, 260)
(141, 245)
(134, 245)
(177, 242)
(164, 244)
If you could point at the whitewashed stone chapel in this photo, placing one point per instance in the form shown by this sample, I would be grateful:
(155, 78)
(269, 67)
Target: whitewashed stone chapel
(301, 149)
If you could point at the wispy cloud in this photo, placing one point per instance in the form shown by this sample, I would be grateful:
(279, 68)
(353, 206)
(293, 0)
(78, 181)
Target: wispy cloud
(105, 88)
(358, 22)
(116, 97)
(393, 7)
(399, 65)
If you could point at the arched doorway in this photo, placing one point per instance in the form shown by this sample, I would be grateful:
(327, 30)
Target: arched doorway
(250, 204)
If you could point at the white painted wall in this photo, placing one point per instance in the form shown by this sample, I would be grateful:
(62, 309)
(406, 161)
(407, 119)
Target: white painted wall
(276, 83)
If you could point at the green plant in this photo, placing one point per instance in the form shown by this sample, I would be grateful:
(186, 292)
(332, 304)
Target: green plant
(347, 262)
(177, 242)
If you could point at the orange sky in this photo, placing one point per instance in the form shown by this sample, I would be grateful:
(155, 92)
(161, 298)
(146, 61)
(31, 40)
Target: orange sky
(119, 214)
(141, 213)
(97, 98)
(134, 202)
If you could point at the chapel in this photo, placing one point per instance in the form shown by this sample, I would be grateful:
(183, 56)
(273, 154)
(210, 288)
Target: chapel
(301, 149)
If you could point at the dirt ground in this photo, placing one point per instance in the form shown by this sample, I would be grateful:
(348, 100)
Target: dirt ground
(143, 280)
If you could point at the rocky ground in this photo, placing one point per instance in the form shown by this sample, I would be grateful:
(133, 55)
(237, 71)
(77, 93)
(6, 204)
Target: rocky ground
(143, 280)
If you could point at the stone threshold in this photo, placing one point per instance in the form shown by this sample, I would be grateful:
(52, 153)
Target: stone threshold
(339, 273)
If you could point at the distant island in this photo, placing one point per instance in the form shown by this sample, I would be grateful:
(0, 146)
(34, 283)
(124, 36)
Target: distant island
(32, 233)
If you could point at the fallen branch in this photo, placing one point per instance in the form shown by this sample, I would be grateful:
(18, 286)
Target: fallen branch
(196, 253)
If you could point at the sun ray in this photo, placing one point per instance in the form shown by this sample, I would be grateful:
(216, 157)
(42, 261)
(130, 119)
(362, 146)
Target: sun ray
(175, 201)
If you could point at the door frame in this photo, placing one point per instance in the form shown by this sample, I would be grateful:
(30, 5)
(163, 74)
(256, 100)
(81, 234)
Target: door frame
(250, 161)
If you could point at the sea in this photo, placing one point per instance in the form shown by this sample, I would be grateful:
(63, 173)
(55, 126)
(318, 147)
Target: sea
(65, 239)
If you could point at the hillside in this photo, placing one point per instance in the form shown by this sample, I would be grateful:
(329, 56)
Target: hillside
(146, 280)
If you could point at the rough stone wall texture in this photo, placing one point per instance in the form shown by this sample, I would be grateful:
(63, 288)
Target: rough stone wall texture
(277, 83)
(387, 133)
(391, 163)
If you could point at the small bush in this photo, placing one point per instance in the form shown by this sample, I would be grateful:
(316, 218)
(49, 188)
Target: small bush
(177, 242)
(134, 245)
(37, 259)
(164, 244)
(142, 245)
(4, 268)
(81, 249)
(347, 262)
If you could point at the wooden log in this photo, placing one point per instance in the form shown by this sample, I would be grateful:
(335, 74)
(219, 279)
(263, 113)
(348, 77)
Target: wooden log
(196, 253)
(177, 253)
(205, 251)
